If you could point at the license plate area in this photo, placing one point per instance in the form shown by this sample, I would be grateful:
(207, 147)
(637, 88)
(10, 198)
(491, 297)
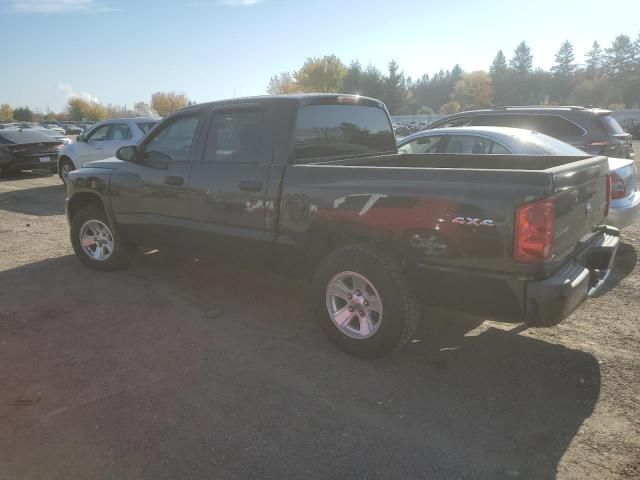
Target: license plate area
(45, 159)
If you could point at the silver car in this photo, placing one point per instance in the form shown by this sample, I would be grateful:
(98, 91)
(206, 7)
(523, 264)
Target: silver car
(625, 196)
(102, 141)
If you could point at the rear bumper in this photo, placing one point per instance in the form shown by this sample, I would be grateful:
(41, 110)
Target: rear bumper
(622, 214)
(551, 300)
(514, 298)
(28, 163)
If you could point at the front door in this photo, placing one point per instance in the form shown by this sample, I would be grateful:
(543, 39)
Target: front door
(150, 198)
(91, 149)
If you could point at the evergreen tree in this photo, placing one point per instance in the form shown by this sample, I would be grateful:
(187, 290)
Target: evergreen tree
(394, 88)
(522, 60)
(619, 58)
(499, 65)
(594, 59)
(564, 60)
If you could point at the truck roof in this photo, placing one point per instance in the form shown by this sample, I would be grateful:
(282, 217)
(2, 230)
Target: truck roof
(305, 98)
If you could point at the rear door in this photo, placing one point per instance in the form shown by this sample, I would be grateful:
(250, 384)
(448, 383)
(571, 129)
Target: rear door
(229, 180)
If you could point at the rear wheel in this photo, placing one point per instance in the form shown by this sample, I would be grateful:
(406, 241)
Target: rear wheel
(96, 243)
(362, 301)
(66, 166)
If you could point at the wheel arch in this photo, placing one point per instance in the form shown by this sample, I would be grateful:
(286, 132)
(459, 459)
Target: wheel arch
(323, 239)
(81, 199)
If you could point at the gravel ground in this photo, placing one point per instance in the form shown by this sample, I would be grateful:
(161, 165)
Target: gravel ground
(177, 368)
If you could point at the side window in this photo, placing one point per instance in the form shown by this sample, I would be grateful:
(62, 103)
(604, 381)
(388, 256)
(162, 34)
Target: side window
(456, 122)
(468, 144)
(174, 140)
(430, 144)
(99, 134)
(497, 149)
(497, 120)
(234, 137)
(120, 131)
(555, 126)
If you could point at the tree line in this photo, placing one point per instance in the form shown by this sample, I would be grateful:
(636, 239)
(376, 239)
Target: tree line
(161, 104)
(608, 78)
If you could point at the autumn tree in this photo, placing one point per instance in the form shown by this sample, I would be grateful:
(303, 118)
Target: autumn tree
(473, 91)
(165, 103)
(282, 84)
(322, 75)
(6, 113)
(81, 109)
(449, 108)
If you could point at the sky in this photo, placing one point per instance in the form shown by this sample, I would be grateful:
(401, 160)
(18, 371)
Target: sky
(121, 51)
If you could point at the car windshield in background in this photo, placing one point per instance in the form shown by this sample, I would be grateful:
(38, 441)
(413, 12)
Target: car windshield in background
(145, 126)
(610, 124)
(547, 145)
(331, 130)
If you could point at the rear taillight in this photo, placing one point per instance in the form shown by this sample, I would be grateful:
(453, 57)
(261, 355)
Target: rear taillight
(618, 189)
(534, 231)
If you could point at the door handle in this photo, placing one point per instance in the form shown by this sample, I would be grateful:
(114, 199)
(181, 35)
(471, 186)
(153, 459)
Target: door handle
(250, 186)
(173, 180)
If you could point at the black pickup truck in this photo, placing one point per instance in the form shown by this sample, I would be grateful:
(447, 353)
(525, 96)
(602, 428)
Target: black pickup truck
(313, 185)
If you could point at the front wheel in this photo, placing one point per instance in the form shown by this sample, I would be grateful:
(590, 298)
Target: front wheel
(66, 167)
(362, 301)
(96, 243)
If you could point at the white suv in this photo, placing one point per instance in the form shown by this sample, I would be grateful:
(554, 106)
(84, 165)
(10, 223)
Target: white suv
(102, 141)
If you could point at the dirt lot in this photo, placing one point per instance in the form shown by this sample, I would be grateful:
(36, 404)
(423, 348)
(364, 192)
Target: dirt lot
(180, 369)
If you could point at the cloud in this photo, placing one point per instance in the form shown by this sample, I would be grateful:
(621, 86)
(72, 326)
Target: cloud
(71, 93)
(60, 6)
(239, 3)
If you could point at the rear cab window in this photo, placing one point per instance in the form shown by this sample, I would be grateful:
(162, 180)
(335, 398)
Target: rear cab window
(333, 130)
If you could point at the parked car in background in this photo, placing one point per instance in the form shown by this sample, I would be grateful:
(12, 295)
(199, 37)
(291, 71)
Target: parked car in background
(54, 126)
(70, 128)
(102, 141)
(625, 196)
(592, 130)
(26, 149)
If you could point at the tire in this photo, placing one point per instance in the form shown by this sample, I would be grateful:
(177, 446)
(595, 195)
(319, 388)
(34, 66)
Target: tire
(116, 252)
(368, 333)
(65, 166)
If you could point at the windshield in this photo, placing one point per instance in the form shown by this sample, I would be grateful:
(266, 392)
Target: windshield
(542, 144)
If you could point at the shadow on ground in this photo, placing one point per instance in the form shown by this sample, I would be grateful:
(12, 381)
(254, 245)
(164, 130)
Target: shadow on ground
(41, 201)
(625, 262)
(184, 369)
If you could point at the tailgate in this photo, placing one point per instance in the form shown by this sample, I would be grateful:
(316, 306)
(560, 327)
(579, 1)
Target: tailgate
(581, 198)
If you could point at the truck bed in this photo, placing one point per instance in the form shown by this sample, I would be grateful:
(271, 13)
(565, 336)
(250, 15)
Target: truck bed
(457, 161)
